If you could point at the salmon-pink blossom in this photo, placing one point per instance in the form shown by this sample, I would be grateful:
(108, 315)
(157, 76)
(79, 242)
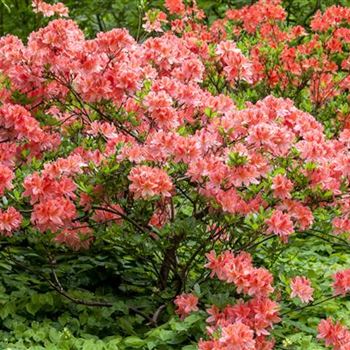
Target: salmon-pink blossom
(77, 237)
(53, 214)
(175, 6)
(341, 282)
(48, 10)
(281, 187)
(147, 182)
(334, 334)
(301, 288)
(10, 220)
(237, 336)
(238, 269)
(280, 224)
(186, 303)
(6, 177)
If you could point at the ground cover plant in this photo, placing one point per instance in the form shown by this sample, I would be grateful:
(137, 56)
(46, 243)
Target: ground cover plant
(186, 188)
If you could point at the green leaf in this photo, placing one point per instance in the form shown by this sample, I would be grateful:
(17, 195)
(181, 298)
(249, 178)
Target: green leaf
(197, 289)
(33, 308)
(126, 325)
(193, 318)
(90, 345)
(6, 6)
(134, 342)
(54, 335)
(166, 335)
(190, 347)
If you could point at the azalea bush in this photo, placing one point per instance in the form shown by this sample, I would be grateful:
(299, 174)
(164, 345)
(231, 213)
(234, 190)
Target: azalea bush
(188, 188)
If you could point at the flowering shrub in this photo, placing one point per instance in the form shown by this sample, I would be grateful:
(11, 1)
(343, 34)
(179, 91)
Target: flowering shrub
(216, 145)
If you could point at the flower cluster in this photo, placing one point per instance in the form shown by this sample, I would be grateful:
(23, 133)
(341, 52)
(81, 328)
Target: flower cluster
(238, 269)
(341, 284)
(40, 6)
(301, 288)
(186, 303)
(334, 334)
(244, 325)
(147, 182)
(10, 220)
(279, 61)
(280, 224)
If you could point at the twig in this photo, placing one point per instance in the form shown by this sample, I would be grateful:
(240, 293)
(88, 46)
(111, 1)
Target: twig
(310, 305)
(157, 313)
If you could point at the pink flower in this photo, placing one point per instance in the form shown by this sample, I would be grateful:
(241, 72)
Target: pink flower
(78, 237)
(237, 336)
(259, 314)
(236, 65)
(282, 187)
(262, 343)
(53, 214)
(280, 224)
(263, 314)
(39, 6)
(208, 345)
(186, 303)
(10, 220)
(161, 215)
(240, 271)
(330, 18)
(334, 334)
(43, 187)
(175, 6)
(6, 177)
(191, 70)
(341, 225)
(341, 284)
(147, 182)
(154, 20)
(258, 282)
(216, 265)
(301, 288)
(302, 214)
